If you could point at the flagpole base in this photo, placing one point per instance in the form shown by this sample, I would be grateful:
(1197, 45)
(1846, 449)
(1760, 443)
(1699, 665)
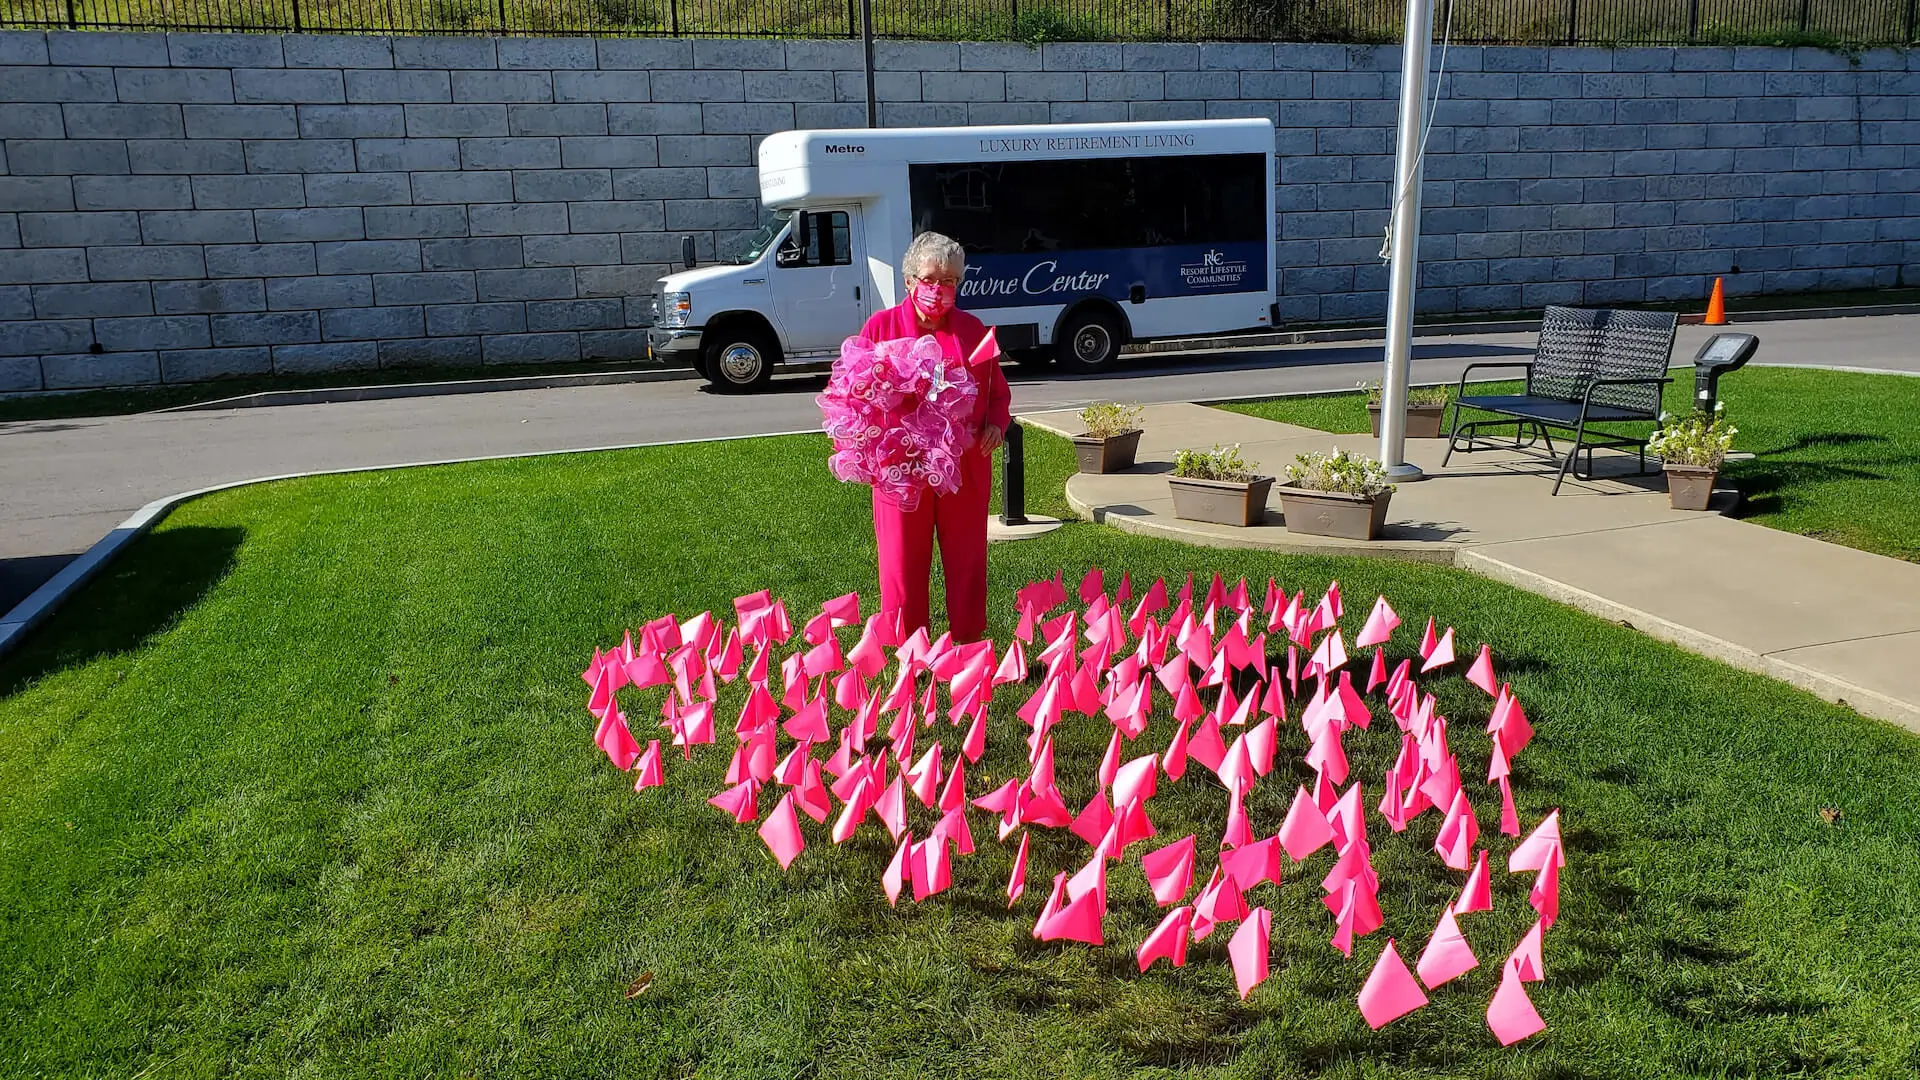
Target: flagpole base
(1032, 527)
(1405, 473)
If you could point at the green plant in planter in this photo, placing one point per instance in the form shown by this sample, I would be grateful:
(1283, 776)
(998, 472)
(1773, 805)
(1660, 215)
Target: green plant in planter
(1701, 440)
(1105, 419)
(1220, 463)
(1338, 471)
(1418, 397)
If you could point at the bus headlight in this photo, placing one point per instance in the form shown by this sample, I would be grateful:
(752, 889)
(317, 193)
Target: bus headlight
(675, 309)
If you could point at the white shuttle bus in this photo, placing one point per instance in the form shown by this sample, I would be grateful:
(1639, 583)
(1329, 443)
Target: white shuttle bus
(1080, 238)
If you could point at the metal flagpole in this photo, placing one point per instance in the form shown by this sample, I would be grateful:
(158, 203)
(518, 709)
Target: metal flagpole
(1405, 243)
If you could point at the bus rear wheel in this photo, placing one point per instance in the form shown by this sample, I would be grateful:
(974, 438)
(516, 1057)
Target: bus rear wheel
(1089, 342)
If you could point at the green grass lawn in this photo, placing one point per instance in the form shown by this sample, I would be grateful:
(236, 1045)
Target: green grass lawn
(304, 786)
(1836, 454)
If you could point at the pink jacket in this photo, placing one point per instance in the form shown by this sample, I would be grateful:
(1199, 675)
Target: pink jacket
(958, 340)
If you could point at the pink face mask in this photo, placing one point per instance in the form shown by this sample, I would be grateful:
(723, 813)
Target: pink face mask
(931, 301)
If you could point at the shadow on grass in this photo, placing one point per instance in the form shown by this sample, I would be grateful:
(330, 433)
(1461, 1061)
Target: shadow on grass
(141, 594)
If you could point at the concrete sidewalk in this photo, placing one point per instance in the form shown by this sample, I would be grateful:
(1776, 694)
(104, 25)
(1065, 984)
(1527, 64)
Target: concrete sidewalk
(1839, 623)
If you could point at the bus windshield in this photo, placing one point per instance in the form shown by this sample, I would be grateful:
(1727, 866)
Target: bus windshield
(747, 249)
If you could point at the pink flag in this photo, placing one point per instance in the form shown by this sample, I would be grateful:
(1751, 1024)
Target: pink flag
(1135, 780)
(1205, 745)
(1514, 732)
(1539, 846)
(975, 743)
(811, 794)
(1174, 764)
(1013, 666)
(781, 832)
(1251, 864)
(1169, 939)
(1329, 656)
(1017, 881)
(1219, 901)
(987, 350)
(1526, 959)
(1447, 955)
(1249, 949)
(1239, 831)
(1328, 757)
(1379, 626)
(892, 808)
(1511, 1014)
(1079, 921)
(1481, 673)
(1509, 817)
(1094, 584)
(1378, 674)
(810, 723)
(1545, 896)
(1262, 740)
(648, 773)
(1094, 820)
(1478, 893)
(1170, 872)
(1110, 761)
(1458, 833)
(896, 873)
(738, 801)
(1390, 992)
(1306, 829)
(1427, 640)
(1052, 905)
(954, 795)
(1442, 653)
(617, 741)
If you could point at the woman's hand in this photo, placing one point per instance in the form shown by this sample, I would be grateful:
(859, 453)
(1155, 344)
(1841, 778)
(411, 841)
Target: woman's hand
(991, 436)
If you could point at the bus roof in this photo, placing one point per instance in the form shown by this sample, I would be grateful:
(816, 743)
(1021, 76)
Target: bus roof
(798, 167)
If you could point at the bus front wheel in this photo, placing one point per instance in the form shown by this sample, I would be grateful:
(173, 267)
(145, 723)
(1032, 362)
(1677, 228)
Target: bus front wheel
(739, 360)
(1089, 342)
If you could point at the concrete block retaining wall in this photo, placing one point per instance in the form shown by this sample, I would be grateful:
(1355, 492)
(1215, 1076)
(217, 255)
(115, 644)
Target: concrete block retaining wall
(180, 207)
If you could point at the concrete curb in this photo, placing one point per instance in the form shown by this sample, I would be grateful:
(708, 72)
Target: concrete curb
(41, 604)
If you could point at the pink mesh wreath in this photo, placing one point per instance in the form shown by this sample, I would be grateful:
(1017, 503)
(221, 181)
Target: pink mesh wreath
(900, 415)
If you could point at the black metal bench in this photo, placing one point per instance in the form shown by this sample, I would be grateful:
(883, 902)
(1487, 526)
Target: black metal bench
(1590, 366)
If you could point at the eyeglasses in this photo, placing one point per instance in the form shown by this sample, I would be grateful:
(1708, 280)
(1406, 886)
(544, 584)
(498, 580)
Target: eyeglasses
(950, 281)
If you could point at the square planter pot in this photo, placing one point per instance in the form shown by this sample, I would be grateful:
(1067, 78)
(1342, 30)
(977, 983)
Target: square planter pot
(1223, 502)
(1334, 513)
(1690, 487)
(1109, 455)
(1423, 421)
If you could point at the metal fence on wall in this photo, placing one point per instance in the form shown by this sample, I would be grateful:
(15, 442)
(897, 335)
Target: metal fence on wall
(1569, 22)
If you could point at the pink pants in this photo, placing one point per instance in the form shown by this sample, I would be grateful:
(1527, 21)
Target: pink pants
(905, 542)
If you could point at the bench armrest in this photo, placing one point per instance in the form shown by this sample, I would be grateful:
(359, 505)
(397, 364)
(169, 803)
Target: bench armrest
(1586, 399)
(1527, 365)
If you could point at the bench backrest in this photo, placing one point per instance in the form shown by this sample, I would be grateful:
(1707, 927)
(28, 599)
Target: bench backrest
(1580, 345)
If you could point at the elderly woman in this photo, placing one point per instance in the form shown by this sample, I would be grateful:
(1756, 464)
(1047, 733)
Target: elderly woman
(933, 266)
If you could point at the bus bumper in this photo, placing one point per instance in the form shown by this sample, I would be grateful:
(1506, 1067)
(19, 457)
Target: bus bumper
(674, 346)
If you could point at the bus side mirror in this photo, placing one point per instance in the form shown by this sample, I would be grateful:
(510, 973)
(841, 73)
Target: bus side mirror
(686, 252)
(799, 241)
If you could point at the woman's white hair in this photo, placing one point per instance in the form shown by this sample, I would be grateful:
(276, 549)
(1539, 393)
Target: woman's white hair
(931, 249)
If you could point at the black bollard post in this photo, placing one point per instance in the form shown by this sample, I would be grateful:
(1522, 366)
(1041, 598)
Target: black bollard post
(1013, 477)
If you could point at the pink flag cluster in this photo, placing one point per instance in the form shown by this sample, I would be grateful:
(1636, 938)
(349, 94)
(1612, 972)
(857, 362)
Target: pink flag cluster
(899, 416)
(867, 716)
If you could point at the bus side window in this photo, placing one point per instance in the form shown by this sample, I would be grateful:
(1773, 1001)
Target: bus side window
(831, 239)
(827, 241)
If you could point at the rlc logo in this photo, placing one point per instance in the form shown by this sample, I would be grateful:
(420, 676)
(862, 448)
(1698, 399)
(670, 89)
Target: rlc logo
(1212, 258)
(845, 148)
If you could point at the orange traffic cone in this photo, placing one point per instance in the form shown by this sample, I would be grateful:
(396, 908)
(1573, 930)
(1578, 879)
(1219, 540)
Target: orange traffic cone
(1716, 306)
